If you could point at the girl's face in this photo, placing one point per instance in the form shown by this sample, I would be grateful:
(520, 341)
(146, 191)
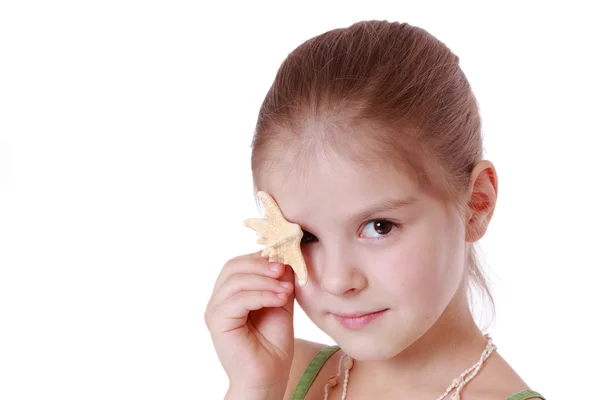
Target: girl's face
(373, 243)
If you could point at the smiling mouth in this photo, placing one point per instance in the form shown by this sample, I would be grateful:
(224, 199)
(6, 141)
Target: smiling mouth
(356, 321)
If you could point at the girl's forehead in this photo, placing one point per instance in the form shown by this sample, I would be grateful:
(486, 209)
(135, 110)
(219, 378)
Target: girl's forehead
(333, 184)
(325, 150)
(316, 168)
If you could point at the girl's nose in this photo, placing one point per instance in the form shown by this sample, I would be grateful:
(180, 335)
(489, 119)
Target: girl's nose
(339, 273)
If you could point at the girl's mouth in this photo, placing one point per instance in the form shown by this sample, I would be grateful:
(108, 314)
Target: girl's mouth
(357, 321)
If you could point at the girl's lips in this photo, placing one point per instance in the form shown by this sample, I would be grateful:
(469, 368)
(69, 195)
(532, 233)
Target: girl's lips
(357, 321)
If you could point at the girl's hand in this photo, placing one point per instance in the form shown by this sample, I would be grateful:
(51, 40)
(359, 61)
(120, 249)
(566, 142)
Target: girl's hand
(250, 319)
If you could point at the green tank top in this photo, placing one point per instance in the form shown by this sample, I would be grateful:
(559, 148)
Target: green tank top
(323, 355)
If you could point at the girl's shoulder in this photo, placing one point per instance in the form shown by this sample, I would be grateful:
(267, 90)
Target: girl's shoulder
(305, 353)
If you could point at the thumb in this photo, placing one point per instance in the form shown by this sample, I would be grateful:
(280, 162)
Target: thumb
(289, 276)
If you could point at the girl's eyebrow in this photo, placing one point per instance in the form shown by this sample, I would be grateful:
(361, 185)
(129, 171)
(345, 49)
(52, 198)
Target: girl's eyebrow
(386, 205)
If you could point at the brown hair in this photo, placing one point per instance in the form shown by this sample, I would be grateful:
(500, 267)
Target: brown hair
(395, 77)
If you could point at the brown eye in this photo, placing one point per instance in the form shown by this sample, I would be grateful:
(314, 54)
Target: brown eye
(308, 237)
(382, 227)
(378, 228)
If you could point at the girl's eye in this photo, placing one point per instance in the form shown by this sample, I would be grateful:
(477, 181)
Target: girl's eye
(378, 228)
(308, 237)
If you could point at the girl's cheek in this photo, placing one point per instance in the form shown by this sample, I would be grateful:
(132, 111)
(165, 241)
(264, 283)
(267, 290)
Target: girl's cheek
(408, 272)
(305, 294)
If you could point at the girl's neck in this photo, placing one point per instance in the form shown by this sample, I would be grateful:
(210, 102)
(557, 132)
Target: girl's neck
(440, 355)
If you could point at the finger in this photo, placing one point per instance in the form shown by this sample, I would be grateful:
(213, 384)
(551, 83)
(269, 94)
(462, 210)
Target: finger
(250, 282)
(233, 313)
(250, 263)
(289, 277)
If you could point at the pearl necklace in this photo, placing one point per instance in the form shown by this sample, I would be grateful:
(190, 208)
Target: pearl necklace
(457, 384)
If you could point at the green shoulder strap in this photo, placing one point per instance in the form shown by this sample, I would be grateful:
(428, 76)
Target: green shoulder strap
(525, 395)
(312, 370)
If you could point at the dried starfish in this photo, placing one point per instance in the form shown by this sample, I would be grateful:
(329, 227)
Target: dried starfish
(280, 237)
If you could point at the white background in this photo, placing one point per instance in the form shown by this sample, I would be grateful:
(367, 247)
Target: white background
(124, 180)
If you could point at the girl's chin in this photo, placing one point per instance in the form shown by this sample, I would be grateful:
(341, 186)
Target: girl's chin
(365, 347)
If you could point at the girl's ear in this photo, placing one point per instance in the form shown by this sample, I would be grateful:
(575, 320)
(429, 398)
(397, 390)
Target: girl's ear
(483, 192)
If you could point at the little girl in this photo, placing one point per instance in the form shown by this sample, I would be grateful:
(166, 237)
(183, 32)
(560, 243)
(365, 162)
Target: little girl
(370, 140)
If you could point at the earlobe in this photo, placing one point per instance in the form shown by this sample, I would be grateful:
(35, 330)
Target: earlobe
(483, 192)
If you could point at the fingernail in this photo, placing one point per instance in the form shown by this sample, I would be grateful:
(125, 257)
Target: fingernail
(274, 267)
(286, 285)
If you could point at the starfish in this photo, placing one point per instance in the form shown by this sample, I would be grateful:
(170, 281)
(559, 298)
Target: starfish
(280, 237)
